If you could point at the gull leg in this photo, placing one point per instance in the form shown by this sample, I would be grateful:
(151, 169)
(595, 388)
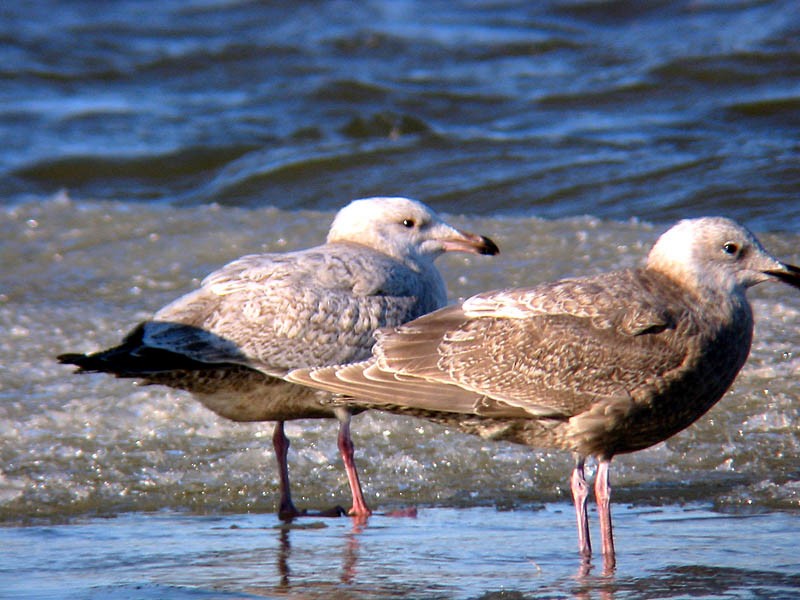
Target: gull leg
(286, 508)
(580, 494)
(347, 450)
(602, 494)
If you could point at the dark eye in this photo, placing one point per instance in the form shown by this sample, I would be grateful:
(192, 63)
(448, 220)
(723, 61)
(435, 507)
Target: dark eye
(408, 223)
(730, 248)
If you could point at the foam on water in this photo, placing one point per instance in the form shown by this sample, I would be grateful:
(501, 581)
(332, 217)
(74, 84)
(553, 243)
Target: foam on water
(74, 445)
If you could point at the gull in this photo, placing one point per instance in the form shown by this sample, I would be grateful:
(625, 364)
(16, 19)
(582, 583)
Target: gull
(599, 365)
(231, 341)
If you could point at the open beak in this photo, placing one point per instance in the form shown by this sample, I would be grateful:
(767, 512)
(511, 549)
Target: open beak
(787, 274)
(473, 243)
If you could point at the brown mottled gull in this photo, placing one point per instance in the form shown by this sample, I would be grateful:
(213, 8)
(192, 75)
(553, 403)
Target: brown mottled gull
(597, 365)
(232, 341)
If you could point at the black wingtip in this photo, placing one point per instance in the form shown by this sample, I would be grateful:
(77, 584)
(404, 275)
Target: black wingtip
(71, 359)
(86, 363)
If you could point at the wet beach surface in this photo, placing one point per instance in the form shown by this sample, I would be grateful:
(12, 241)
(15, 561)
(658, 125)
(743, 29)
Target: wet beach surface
(665, 552)
(145, 148)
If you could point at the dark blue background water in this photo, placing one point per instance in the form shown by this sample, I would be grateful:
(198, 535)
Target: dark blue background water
(656, 109)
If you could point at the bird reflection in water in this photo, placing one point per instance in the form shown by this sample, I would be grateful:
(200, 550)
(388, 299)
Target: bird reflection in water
(349, 551)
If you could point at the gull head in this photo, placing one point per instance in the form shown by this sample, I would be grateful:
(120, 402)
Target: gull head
(719, 254)
(403, 228)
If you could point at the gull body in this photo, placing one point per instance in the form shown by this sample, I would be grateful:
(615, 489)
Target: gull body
(598, 366)
(231, 341)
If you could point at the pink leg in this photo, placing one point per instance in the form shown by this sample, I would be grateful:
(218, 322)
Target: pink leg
(602, 494)
(280, 442)
(346, 448)
(580, 494)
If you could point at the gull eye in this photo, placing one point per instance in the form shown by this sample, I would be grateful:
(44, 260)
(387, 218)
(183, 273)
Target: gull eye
(409, 223)
(730, 248)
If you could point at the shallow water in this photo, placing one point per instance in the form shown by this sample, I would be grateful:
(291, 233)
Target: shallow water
(144, 148)
(665, 552)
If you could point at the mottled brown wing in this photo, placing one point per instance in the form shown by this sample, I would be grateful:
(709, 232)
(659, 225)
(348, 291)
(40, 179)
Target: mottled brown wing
(553, 364)
(549, 351)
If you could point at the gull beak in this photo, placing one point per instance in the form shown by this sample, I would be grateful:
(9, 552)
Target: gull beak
(462, 241)
(787, 274)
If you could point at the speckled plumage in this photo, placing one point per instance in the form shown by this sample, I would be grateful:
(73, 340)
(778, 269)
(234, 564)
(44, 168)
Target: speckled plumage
(597, 365)
(272, 313)
(585, 371)
(231, 341)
